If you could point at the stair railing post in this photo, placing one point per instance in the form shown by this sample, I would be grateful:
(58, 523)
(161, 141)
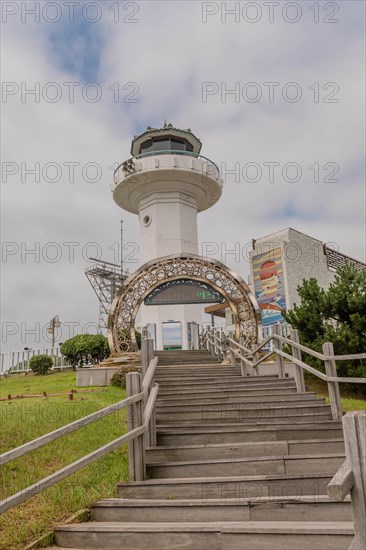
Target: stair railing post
(354, 430)
(333, 387)
(232, 354)
(277, 345)
(152, 423)
(250, 369)
(218, 344)
(243, 367)
(212, 343)
(223, 343)
(136, 458)
(296, 353)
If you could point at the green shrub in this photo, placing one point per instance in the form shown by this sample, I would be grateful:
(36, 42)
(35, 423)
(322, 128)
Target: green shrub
(85, 348)
(40, 364)
(119, 377)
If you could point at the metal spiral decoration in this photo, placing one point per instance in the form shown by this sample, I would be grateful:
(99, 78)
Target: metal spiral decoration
(151, 275)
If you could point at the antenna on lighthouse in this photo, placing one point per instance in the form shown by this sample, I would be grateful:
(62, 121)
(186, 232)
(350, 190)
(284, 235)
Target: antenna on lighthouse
(121, 246)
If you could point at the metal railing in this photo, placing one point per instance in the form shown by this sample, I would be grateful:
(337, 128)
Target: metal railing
(157, 153)
(140, 404)
(18, 361)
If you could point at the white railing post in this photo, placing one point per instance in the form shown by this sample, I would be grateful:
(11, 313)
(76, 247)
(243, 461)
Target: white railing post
(218, 344)
(243, 367)
(296, 353)
(333, 387)
(136, 458)
(232, 354)
(254, 370)
(354, 429)
(277, 345)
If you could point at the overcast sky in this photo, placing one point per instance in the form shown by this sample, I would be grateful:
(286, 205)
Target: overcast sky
(296, 73)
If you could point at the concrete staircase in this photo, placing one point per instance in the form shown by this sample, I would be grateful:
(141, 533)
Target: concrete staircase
(241, 463)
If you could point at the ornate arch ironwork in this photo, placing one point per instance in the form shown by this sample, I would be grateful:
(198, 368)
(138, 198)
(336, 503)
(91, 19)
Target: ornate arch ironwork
(232, 287)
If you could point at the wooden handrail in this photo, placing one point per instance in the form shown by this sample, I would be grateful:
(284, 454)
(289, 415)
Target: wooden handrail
(238, 345)
(351, 476)
(69, 428)
(145, 394)
(48, 481)
(148, 378)
(319, 374)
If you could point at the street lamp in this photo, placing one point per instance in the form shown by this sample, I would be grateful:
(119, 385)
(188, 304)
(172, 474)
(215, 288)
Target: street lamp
(54, 324)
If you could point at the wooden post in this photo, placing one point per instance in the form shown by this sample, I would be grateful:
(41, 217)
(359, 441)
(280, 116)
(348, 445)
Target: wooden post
(296, 353)
(354, 429)
(152, 424)
(333, 387)
(136, 458)
(243, 367)
(277, 345)
(144, 356)
(232, 354)
(218, 344)
(212, 344)
(254, 370)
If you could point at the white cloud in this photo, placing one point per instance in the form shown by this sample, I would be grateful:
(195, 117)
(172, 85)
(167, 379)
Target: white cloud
(169, 54)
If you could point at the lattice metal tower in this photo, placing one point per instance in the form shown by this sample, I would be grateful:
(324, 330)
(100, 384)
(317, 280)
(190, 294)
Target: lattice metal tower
(106, 279)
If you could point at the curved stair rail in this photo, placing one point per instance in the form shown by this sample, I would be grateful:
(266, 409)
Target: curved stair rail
(351, 476)
(140, 404)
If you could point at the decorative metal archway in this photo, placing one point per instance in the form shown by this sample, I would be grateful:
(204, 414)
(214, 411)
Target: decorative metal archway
(232, 287)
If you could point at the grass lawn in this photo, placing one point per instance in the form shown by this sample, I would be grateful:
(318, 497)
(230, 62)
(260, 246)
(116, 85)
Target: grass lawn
(350, 402)
(22, 420)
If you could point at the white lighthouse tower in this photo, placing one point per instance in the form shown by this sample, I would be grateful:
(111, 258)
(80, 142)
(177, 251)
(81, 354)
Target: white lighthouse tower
(167, 183)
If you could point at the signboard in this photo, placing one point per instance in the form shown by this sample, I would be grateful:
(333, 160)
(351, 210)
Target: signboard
(269, 286)
(183, 291)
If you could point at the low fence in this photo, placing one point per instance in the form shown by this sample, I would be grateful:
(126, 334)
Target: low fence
(18, 361)
(140, 404)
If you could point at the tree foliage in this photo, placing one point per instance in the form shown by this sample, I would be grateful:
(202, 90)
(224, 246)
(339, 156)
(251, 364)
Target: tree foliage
(40, 364)
(85, 348)
(336, 315)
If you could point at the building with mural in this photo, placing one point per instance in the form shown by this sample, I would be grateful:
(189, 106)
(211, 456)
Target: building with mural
(281, 261)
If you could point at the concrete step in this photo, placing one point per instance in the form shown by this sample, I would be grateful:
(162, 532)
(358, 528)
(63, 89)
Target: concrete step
(209, 396)
(234, 487)
(207, 535)
(254, 421)
(251, 449)
(222, 378)
(275, 509)
(234, 433)
(243, 412)
(259, 465)
(227, 389)
(213, 381)
(196, 404)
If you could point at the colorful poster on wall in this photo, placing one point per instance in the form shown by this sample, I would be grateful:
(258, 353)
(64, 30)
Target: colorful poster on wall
(269, 286)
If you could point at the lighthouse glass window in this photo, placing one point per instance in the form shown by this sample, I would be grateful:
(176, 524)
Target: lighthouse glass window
(165, 144)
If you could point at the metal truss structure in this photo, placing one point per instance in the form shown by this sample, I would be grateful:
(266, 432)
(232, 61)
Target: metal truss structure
(106, 280)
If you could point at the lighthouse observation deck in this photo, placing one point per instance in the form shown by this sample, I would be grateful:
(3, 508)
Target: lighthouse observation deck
(167, 170)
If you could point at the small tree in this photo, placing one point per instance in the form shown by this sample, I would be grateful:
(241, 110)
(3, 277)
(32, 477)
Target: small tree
(334, 315)
(85, 348)
(40, 364)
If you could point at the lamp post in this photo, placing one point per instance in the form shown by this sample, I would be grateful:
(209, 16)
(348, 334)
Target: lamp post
(54, 323)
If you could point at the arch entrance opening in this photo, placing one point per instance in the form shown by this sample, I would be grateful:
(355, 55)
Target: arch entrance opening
(185, 278)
